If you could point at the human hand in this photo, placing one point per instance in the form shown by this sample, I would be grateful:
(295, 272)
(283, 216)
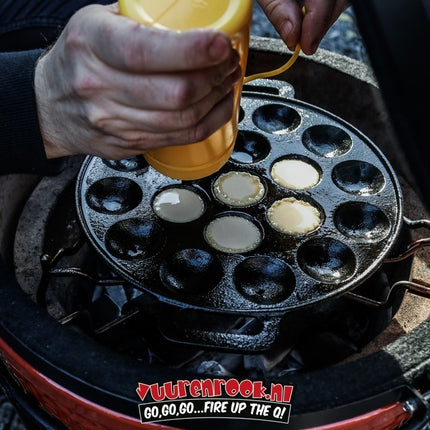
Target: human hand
(308, 30)
(114, 88)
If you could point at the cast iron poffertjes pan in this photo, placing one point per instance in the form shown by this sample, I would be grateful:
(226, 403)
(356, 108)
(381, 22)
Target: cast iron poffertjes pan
(358, 197)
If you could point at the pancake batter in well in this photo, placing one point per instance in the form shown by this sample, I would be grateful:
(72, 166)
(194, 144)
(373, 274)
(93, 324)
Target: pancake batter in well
(178, 205)
(293, 216)
(233, 234)
(295, 174)
(239, 189)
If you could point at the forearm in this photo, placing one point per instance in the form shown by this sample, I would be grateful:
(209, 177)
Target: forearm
(21, 146)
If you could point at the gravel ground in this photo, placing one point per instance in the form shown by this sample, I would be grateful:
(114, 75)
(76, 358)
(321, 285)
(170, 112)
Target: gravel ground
(343, 38)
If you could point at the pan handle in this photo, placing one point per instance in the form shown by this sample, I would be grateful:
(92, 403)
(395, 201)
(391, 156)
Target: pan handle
(245, 334)
(415, 246)
(413, 224)
(418, 287)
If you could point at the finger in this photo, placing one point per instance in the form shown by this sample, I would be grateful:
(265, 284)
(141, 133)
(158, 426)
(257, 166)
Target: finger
(319, 16)
(125, 122)
(286, 17)
(215, 119)
(109, 147)
(174, 90)
(171, 120)
(124, 44)
(143, 141)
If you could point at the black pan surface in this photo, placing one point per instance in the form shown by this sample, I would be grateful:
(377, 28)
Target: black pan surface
(358, 196)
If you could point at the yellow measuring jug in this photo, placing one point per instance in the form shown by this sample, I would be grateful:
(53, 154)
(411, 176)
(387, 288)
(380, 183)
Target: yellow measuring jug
(197, 160)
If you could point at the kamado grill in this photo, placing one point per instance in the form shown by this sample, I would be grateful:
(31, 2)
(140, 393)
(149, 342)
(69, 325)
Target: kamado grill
(99, 293)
